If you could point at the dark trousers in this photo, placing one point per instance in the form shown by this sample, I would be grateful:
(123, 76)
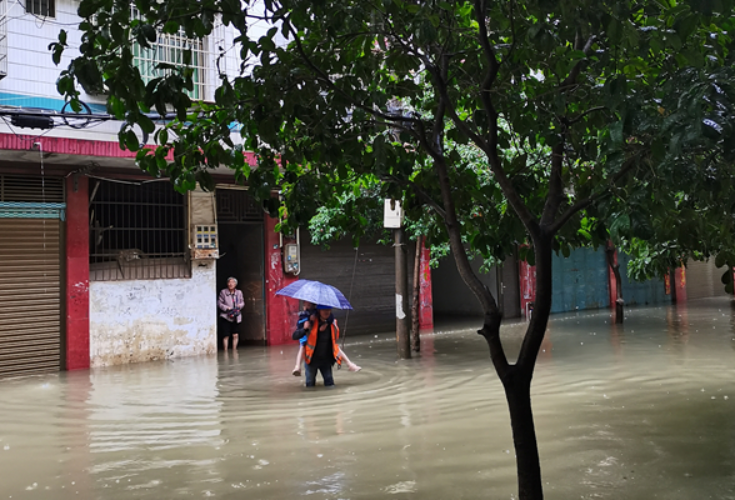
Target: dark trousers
(325, 367)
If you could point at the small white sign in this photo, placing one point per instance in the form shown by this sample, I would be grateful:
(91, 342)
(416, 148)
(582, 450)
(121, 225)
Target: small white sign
(392, 217)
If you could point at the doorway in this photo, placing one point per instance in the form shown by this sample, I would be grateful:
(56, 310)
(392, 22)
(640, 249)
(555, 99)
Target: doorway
(241, 226)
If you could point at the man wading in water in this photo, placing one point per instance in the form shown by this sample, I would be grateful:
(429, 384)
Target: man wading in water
(321, 350)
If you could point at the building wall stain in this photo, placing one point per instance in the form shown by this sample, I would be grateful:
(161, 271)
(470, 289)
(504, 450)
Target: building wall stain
(147, 320)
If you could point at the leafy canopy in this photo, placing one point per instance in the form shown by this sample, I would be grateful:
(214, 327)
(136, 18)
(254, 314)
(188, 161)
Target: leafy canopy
(501, 119)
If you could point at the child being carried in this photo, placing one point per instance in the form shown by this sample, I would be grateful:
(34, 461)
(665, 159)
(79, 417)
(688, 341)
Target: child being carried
(307, 317)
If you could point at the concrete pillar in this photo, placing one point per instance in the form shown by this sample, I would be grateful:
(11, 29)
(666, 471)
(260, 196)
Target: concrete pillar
(281, 312)
(77, 273)
(426, 300)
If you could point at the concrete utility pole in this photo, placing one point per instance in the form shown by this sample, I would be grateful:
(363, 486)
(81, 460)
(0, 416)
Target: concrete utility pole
(403, 322)
(393, 219)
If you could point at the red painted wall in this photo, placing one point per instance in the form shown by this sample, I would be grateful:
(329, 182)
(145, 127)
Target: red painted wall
(426, 300)
(528, 286)
(82, 147)
(281, 312)
(77, 273)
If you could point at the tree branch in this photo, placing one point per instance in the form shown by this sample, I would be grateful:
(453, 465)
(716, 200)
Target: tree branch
(461, 125)
(442, 107)
(419, 191)
(491, 145)
(492, 73)
(491, 332)
(569, 212)
(324, 78)
(491, 328)
(556, 186)
(487, 48)
(580, 116)
(511, 17)
(555, 196)
(574, 73)
(581, 204)
(496, 166)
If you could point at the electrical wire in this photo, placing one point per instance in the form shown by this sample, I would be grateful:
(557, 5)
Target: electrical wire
(130, 183)
(24, 137)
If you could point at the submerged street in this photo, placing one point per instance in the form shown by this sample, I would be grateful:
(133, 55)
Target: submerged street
(636, 411)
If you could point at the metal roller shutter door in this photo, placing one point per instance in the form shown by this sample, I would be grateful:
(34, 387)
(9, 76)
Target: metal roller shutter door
(374, 286)
(30, 296)
(703, 280)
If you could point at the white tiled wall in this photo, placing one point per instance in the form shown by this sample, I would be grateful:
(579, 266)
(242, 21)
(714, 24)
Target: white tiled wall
(32, 73)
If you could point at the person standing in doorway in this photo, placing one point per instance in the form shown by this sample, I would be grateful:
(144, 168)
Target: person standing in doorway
(230, 304)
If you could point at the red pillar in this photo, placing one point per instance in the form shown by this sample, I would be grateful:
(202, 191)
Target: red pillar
(426, 300)
(613, 282)
(680, 282)
(281, 313)
(528, 287)
(77, 273)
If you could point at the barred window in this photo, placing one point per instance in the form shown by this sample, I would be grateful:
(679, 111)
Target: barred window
(44, 8)
(170, 49)
(137, 232)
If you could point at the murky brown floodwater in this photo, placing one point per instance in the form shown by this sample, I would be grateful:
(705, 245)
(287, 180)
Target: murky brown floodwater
(642, 411)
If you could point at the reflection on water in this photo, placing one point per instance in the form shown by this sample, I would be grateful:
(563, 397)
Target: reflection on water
(637, 411)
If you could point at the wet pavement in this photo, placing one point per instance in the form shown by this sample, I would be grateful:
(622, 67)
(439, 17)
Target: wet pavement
(640, 411)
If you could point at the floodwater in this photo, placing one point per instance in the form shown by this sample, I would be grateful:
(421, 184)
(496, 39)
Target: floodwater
(640, 411)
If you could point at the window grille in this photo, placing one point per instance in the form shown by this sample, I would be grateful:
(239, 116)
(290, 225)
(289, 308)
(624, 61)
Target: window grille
(235, 205)
(28, 188)
(44, 8)
(137, 232)
(169, 49)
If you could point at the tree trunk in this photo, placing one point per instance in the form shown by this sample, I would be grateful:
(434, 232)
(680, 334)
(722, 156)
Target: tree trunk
(415, 338)
(619, 313)
(517, 384)
(516, 378)
(672, 286)
(518, 395)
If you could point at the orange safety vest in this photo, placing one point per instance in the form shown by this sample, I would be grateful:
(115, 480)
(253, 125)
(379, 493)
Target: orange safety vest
(311, 343)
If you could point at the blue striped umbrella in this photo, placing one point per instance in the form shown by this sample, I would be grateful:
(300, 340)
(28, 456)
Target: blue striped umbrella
(316, 293)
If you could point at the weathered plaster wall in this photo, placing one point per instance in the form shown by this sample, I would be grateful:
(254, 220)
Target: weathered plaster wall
(146, 320)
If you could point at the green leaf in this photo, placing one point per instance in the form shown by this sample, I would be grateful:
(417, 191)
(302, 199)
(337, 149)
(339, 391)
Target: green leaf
(205, 180)
(616, 133)
(131, 141)
(721, 259)
(146, 124)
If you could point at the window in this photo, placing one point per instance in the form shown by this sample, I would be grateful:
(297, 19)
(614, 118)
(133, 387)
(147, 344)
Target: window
(28, 188)
(137, 232)
(169, 49)
(43, 8)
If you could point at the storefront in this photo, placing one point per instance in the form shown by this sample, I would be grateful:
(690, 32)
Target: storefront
(31, 274)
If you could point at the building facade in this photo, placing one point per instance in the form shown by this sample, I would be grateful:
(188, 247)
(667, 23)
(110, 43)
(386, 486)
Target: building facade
(101, 264)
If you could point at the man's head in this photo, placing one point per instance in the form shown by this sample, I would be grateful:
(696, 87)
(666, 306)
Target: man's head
(307, 305)
(324, 311)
